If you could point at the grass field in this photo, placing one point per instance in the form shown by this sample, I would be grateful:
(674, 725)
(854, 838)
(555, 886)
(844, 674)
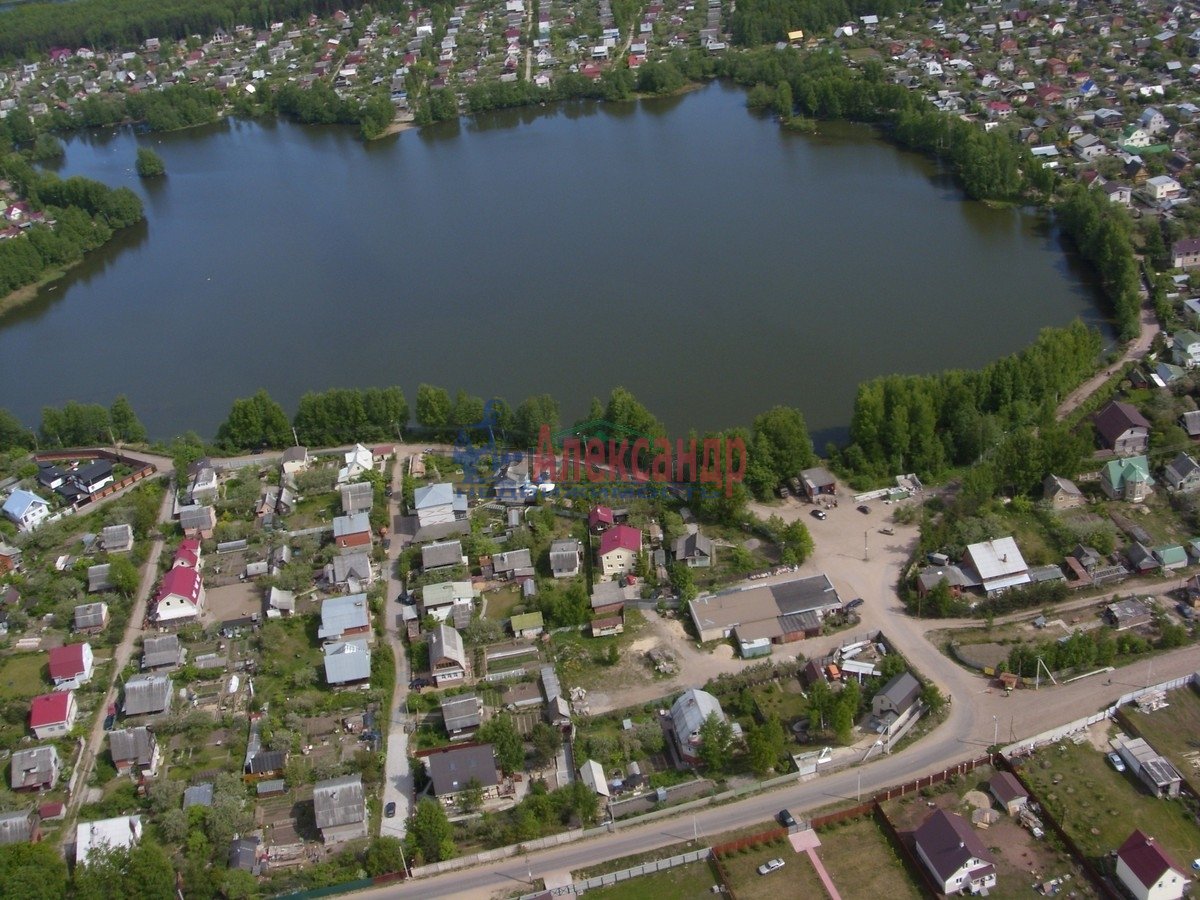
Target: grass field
(24, 675)
(1099, 807)
(500, 603)
(863, 864)
(1175, 731)
(691, 880)
(797, 880)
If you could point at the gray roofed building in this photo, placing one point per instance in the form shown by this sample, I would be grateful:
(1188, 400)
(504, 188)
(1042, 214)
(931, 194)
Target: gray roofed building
(438, 504)
(1128, 613)
(565, 556)
(162, 651)
(134, 748)
(281, 602)
(98, 578)
(1182, 474)
(462, 715)
(755, 612)
(447, 659)
(197, 521)
(931, 576)
(442, 555)
(117, 538)
(341, 616)
(452, 770)
(147, 694)
(340, 808)
(513, 564)
(294, 459)
(347, 662)
(270, 786)
(1062, 493)
(688, 713)
(346, 526)
(352, 567)
(606, 594)
(91, 617)
(1190, 422)
(357, 497)
(198, 795)
(18, 827)
(897, 695)
(243, 854)
(817, 481)
(35, 769)
(695, 550)
(1155, 770)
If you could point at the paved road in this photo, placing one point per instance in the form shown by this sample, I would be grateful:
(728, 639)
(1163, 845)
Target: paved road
(121, 657)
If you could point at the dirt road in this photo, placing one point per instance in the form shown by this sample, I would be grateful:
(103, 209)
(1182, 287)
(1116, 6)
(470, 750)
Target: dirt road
(1135, 351)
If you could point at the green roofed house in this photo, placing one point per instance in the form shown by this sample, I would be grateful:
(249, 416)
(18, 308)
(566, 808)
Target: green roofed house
(1185, 348)
(527, 625)
(1171, 556)
(1127, 479)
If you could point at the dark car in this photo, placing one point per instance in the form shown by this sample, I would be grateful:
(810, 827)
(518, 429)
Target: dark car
(785, 819)
(418, 683)
(863, 508)
(819, 514)
(855, 603)
(387, 491)
(389, 811)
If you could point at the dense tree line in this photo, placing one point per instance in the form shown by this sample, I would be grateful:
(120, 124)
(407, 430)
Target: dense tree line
(927, 423)
(87, 424)
(346, 415)
(986, 162)
(1081, 650)
(1101, 231)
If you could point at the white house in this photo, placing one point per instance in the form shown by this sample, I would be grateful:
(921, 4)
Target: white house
(1163, 187)
(954, 855)
(26, 509)
(438, 504)
(1147, 872)
(358, 461)
(121, 832)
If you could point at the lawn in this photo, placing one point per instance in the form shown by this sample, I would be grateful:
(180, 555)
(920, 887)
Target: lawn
(1099, 807)
(1174, 732)
(785, 701)
(288, 645)
(863, 864)
(691, 880)
(501, 602)
(24, 675)
(797, 880)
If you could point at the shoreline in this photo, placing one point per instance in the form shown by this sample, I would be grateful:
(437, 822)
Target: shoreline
(26, 294)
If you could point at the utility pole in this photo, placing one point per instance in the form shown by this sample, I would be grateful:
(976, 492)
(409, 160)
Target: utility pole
(995, 730)
(295, 437)
(866, 546)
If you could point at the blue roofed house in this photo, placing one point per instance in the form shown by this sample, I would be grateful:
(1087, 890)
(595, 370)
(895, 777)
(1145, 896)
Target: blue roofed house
(1127, 479)
(438, 504)
(343, 617)
(25, 509)
(347, 662)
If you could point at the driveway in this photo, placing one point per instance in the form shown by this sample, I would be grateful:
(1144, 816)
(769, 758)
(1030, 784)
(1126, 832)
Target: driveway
(398, 782)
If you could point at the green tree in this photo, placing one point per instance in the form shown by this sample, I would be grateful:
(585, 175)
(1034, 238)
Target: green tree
(932, 698)
(501, 732)
(530, 416)
(13, 434)
(123, 575)
(125, 424)
(546, 742)
(430, 835)
(255, 422)
(384, 856)
(238, 884)
(32, 871)
(716, 744)
(765, 745)
(149, 163)
(471, 797)
(434, 409)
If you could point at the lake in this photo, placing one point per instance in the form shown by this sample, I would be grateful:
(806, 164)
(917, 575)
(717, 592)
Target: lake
(684, 248)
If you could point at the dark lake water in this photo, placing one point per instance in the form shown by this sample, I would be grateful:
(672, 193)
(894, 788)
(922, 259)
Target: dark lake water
(683, 248)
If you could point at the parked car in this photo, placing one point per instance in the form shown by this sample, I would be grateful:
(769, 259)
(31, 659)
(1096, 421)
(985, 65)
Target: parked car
(418, 683)
(785, 819)
(784, 493)
(389, 811)
(863, 508)
(819, 514)
(1117, 762)
(887, 531)
(855, 603)
(1037, 832)
(770, 866)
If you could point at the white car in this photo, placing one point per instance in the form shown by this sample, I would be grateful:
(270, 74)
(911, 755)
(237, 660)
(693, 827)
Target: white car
(770, 866)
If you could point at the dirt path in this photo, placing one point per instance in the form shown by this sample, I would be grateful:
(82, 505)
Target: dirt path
(1134, 352)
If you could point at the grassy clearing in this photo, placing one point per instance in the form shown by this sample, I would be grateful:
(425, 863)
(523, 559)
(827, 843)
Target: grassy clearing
(1099, 807)
(797, 880)
(24, 675)
(691, 880)
(863, 864)
(1175, 731)
(500, 603)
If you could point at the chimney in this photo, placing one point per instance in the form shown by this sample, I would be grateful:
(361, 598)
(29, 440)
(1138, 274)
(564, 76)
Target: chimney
(961, 845)
(1004, 558)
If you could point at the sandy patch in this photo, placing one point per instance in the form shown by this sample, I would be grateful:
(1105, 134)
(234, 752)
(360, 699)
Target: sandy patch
(641, 645)
(1097, 735)
(723, 651)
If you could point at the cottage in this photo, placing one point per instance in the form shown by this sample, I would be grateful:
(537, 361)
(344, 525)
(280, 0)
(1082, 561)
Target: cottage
(52, 715)
(1185, 348)
(343, 617)
(591, 773)
(352, 531)
(20, 827)
(462, 714)
(134, 751)
(180, 596)
(765, 615)
(294, 460)
(695, 550)
(453, 771)
(352, 571)
(280, 603)
(204, 485)
(1128, 613)
(997, 563)
(358, 461)
(35, 769)
(1122, 429)
(440, 600)
(347, 662)
(1163, 187)
(1147, 872)
(1185, 253)
(447, 659)
(688, 713)
(121, 832)
(527, 625)
(10, 558)
(442, 555)
(244, 854)
(148, 694)
(600, 518)
(198, 521)
(340, 808)
(1062, 493)
(897, 696)
(620, 547)
(117, 539)
(1127, 479)
(1182, 474)
(1008, 792)
(565, 558)
(514, 564)
(25, 509)
(71, 666)
(98, 578)
(438, 504)
(358, 497)
(1153, 769)
(954, 854)
(162, 652)
(91, 618)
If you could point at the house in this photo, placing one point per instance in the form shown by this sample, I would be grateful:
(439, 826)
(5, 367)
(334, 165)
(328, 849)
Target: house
(293, 460)
(352, 531)
(10, 558)
(440, 600)
(188, 554)
(954, 855)
(1163, 187)
(1170, 557)
(358, 497)
(358, 461)
(463, 714)
(1118, 193)
(620, 546)
(148, 694)
(695, 550)
(565, 558)
(897, 696)
(50, 476)
(1008, 792)
(438, 504)
(1128, 613)
(453, 771)
(343, 617)
(280, 603)
(122, 832)
(20, 827)
(514, 564)
(276, 500)
(447, 659)
(1122, 429)
(997, 563)
(117, 538)
(512, 484)
(351, 570)
(26, 509)
(929, 577)
(347, 662)
(1127, 479)
(180, 596)
(442, 555)
(98, 578)
(86, 480)
(1147, 872)
(1185, 253)
(600, 518)
(163, 651)
(1153, 769)
(1062, 493)
(35, 769)
(688, 713)
(197, 521)
(91, 618)
(134, 751)
(1185, 348)
(259, 763)
(341, 809)
(818, 482)
(52, 715)
(1152, 120)
(204, 485)
(1088, 147)
(527, 625)
(244, 854)
(591, 773)
(1182, 474)
(761, 616)
(71, 666)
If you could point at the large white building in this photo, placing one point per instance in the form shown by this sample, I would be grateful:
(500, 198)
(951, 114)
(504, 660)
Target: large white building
(122, 831)
(998, 565)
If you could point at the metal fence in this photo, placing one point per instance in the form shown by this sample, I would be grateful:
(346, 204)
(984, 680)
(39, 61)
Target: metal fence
(598, 881)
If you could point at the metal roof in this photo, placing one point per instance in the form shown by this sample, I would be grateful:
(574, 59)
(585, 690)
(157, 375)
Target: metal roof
(339, 801)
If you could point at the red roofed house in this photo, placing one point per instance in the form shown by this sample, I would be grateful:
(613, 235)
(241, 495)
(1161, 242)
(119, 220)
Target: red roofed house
(1122, 429)
(619, 549)
(180, 595)
(188, 554)
(52, 715)
(70, 666)
(600, 519)
(1146, 870)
